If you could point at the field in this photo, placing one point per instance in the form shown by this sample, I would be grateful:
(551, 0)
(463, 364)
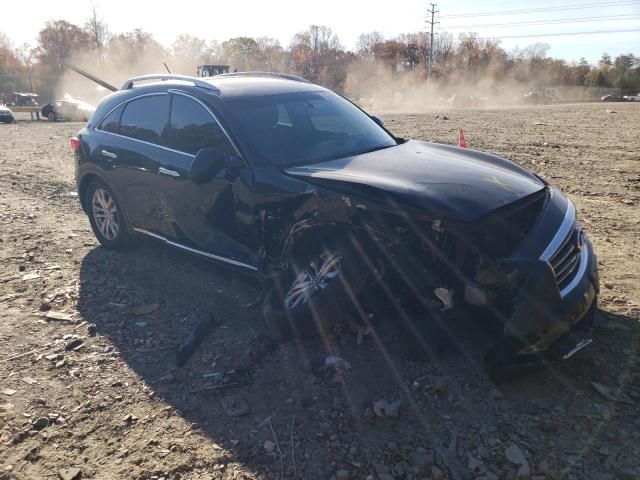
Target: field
(89, 387)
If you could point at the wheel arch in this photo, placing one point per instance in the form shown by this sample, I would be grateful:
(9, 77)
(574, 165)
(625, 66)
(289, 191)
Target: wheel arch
(83, 187)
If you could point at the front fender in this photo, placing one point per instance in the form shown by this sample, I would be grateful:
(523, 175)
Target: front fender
(304, 217)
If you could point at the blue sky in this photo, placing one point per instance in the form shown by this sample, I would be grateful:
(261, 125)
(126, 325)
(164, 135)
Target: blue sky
(281, 19)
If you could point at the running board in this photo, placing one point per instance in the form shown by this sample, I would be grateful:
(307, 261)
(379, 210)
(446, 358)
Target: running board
(193, 250)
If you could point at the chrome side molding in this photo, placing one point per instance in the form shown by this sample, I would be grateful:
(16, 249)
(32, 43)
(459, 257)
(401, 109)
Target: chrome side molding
(193, 250)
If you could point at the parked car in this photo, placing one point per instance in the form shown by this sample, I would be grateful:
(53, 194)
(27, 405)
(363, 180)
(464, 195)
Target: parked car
(632, 98)
(6, 115)
(537, 98)
(613, 98)
(68, 109)
(277, 176)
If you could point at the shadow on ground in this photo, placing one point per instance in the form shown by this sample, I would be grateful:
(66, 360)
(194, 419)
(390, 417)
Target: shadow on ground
(327, 410)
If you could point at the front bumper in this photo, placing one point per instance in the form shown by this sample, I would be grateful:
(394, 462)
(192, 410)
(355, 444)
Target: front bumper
(552, 322)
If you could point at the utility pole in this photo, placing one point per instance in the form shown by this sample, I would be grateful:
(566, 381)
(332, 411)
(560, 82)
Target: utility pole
(432, 22)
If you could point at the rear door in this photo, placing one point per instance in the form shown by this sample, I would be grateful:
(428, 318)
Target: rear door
(133, 142)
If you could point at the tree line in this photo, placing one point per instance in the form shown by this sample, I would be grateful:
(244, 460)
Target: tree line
(315, 53)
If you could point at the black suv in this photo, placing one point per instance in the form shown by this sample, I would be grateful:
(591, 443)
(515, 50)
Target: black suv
(275, 175)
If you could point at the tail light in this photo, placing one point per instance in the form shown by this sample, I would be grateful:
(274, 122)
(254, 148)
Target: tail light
(75, 143)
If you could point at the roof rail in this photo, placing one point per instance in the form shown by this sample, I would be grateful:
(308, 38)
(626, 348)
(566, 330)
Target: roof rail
(285, 76)
(165, 76)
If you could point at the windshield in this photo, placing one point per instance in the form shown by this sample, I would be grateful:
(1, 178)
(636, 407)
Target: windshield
(307, 127)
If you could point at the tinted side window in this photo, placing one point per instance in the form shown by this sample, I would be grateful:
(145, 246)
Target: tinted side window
(192, 127)
(146, 118)
(111, 122)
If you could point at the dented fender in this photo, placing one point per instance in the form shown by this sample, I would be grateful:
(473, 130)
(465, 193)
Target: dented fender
(305, 214)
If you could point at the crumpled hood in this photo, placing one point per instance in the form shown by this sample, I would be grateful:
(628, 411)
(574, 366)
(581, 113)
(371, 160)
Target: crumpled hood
(448, 181)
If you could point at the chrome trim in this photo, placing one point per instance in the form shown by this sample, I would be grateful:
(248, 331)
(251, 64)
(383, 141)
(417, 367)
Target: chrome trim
(562, 233)
(149, 143)
(175, 92)
(579, 346)
(193, 250)
(171, 173)
(164, 76)
(584, 258)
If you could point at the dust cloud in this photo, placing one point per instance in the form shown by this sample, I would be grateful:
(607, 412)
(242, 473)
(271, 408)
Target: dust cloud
(116, 71)
(376, 87)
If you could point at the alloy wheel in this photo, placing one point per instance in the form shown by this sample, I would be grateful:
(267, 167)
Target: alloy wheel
(105, 213)
(315, 277)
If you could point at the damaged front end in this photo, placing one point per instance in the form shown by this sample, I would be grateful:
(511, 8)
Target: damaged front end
(528, 265)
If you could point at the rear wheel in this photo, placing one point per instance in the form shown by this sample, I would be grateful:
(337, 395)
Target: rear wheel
(320, 287)
(108, 221)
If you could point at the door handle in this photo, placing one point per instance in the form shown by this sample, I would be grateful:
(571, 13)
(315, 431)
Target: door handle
(171, 173)
(108, 154)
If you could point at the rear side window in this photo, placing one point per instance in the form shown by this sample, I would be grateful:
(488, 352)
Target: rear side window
(145, 118)
(192, 128)
(111, 122)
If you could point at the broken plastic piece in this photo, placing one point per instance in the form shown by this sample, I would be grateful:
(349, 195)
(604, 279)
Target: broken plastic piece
(445, 296)
(221, 380)
(188, 347)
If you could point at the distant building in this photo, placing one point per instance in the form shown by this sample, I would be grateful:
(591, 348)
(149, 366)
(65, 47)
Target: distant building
(212, 70)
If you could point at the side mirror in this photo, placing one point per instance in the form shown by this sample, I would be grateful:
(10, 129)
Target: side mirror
(377, 119)
(206, 165)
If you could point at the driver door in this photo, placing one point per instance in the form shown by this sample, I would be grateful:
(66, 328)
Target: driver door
(211, 215)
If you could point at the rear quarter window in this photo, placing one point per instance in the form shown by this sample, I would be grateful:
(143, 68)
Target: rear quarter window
(111, 123)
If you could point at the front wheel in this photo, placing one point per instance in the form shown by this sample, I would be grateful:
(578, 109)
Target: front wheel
(108, 221)
(321, 287)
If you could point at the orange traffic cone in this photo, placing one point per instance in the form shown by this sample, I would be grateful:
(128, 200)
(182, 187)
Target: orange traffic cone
(462, 143)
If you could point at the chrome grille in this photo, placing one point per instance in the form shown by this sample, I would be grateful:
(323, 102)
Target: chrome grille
(567, 257)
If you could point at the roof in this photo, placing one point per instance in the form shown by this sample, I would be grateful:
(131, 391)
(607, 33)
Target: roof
(248, 85)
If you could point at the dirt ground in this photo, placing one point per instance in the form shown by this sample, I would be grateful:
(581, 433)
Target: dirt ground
(89, 387)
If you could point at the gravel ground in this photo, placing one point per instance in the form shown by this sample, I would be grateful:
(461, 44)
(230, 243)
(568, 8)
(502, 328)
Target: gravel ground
(89, 387)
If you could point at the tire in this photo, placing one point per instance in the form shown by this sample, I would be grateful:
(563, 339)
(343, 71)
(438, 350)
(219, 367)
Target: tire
(52, 117)
(292, 310)
(111, 231)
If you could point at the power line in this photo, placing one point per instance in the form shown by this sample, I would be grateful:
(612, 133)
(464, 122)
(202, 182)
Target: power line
(544, 9)
(563, 34)
(554, 21)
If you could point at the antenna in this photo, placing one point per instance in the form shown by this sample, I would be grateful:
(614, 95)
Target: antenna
(165, 66)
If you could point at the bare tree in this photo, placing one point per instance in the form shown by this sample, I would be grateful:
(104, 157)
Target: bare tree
(367, 43)
(98, 31)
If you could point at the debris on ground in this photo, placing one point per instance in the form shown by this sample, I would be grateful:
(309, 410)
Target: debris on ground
(58, 316)
(221, 380)
(195, 338)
